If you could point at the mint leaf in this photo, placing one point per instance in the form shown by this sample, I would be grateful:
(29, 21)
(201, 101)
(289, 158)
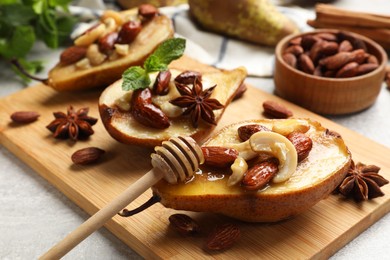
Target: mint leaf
(166, 52)
(19, 44)
(135, 78)
(153, 63)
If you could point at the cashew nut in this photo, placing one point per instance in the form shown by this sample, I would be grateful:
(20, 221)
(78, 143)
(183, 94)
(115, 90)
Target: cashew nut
(280, 147)
(90, 36)
(239, 167)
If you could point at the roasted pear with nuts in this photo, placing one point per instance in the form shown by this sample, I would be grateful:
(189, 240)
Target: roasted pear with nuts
(263, 171)
(101, 54)
(180, 101)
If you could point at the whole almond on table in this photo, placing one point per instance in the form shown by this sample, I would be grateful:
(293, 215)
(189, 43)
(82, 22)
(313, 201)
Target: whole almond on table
(24, 117)
(218, 156)
(184, 224)
(275, 110)
(240, 91)
(87, 155)
(222, 237)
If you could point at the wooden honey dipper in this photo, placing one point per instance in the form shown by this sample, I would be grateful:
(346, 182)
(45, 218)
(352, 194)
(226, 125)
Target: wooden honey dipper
(176, 160)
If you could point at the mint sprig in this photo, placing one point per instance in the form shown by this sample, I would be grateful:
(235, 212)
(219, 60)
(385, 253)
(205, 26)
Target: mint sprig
(23, 22)
(137, 77)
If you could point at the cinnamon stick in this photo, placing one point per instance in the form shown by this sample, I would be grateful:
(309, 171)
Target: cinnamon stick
(330, 14)
(379, 35)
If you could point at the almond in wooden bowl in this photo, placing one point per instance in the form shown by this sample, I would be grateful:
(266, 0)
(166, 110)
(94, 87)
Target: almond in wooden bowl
(329, 71)
(148, 117)
(270, 184)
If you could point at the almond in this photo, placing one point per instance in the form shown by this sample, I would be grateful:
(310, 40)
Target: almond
(73, 54)
(240, 91)
(147, 11)
(218, 156)
(183, 224)
(188, 77)
(246, 131)
(308, 41)
(275, 110)
(366, 68)
(260, 174)
(294, 49)
(146, 113)
(345, 46)
(87, 155)
(161, 85)
(290, 59)
(295, 41)
(222, 237)
(336, 61)
(302, 143)
(306, 64)
(348, 70)
(128, 32)
(24, 117)
(372, 59)
(327, 36)
(107, 42)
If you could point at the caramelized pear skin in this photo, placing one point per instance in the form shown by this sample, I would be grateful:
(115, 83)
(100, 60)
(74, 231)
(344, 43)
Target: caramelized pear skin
(314, 179)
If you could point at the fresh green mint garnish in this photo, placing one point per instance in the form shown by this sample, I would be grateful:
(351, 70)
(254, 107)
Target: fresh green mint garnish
(137, 77)
(22, 23)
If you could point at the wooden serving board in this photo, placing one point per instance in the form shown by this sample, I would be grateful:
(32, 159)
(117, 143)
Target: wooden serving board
(317, 233)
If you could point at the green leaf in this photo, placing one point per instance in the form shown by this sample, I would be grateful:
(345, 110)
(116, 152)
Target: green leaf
(20, 44)
(153, 63)
(60, 3)
(135, 78)
(65, 26)
(16, 14)
(47, 29)
(166, 52)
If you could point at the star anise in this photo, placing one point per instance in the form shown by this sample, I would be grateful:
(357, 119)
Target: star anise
(74, 125)
(197, 102)
(362, 182)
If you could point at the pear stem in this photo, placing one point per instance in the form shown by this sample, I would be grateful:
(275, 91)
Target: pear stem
(153, 200)
(20, 68)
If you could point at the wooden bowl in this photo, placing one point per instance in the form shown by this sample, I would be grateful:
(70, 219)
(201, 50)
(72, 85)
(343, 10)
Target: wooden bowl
(330, 96)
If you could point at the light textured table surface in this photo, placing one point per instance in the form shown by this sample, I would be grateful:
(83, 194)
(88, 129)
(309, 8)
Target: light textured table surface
(34, 215)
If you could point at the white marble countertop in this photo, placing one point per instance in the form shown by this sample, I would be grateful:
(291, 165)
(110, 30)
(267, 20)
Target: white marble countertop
(34, 215)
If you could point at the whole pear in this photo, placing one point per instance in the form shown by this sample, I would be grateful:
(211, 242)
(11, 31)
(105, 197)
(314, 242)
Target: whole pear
(257, 21)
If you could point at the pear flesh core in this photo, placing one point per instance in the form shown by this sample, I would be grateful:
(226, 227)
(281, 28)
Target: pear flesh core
(256, 21)
(314, 179)
(69, 77)
(120, 124)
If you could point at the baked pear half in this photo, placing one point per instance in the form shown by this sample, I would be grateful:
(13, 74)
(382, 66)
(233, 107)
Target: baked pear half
(262, 171)
(100, 55)
(186, 102)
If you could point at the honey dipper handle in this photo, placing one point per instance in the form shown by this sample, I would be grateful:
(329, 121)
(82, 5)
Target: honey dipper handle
(102, 216)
